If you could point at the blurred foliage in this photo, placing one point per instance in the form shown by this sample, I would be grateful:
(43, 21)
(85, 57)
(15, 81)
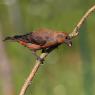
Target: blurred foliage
(67, 71)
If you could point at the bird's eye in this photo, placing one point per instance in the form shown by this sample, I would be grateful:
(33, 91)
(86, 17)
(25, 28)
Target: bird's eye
(66, 37)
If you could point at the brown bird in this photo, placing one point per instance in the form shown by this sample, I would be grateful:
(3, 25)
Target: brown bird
(42, 39)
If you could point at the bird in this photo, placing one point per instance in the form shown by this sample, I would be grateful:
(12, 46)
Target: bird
(42, 39)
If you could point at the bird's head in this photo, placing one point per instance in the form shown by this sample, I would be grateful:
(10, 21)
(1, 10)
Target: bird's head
(68, 41)
(64, 38)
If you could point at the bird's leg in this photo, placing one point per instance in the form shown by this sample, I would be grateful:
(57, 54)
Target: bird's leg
(50, 49)
(38, 58)
(43, 50)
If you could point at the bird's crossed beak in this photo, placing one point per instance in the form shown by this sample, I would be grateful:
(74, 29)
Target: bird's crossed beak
(68, 42)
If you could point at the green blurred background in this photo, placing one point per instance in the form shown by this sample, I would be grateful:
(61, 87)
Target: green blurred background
(67, 71)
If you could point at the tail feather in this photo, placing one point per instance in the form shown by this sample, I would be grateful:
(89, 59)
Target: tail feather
(25, 38)
(17, 37)
(12, 38)
(8, 38)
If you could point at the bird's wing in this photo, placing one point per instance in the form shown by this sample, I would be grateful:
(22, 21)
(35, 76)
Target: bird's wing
(37, 39)
(43, 37)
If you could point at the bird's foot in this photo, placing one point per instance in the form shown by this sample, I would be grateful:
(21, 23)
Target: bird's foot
(40, 59)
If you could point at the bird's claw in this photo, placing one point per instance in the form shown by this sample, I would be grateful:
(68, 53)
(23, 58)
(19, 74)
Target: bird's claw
(40, 59)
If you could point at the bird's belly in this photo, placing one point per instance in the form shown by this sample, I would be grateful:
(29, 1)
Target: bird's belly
(34, 47)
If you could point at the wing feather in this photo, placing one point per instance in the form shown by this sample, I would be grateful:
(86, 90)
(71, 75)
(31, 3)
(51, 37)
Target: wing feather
(42, 36)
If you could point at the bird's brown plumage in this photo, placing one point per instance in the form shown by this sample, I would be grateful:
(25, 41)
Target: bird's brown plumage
(42, 39)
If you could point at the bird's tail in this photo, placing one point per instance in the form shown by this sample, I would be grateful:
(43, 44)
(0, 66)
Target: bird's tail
(9, 38)
(14, 38)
